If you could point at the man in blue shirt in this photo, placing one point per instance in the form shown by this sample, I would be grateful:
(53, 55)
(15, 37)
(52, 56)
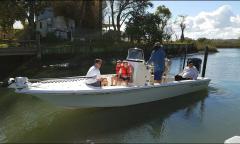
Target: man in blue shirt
(158, 60)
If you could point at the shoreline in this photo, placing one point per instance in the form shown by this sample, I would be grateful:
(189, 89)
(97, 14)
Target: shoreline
(57, 65)
(228, 47)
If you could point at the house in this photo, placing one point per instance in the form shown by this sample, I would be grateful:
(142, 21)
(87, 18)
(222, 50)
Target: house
(60, 26)
(89, 22)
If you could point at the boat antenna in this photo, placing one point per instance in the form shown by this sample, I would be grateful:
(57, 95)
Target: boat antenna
(205, 61)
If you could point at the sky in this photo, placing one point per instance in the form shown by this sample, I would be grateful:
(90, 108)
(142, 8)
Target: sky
(210, 19)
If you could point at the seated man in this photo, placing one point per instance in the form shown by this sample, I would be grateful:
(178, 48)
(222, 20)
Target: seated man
(189, 73)
(114, 79)
(125, 73)
(94, 75)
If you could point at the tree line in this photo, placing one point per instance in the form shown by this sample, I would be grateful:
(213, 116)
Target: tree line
(140, 24)
(26, 11)
(143, 26)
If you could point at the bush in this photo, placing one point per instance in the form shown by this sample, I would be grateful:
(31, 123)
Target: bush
(112, 35)
(51, 37)
(3, 45)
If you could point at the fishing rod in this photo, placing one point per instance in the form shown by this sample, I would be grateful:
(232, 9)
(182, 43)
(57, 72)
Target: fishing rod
(6, 84)
(62, 78)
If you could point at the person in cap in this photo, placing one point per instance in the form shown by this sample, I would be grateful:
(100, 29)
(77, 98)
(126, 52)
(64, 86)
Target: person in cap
(93, 75)
(190, 72)
(157, 58)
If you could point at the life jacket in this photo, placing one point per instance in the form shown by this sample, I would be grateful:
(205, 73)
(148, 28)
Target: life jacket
(118, 68)
(126, 71)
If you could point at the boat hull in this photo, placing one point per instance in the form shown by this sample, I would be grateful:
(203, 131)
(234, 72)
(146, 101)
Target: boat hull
(123, 96)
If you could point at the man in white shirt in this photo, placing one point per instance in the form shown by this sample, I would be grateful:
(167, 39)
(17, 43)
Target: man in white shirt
(94, 75)
(189, 73)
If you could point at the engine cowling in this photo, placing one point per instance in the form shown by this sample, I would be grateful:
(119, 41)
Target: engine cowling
(18, 82)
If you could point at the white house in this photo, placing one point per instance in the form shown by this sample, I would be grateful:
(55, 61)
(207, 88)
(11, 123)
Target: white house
(62, 27)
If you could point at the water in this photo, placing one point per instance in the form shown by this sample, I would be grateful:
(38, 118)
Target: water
(207, 116)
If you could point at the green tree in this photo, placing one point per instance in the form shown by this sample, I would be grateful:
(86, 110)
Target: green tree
(28, 9)
(164, 15)
(121, 10)
(9, 13)
(203, 39)
(168, 32)
(13, 10)
(151, 26)
(143, 27)
(83, 12)
(135, 27)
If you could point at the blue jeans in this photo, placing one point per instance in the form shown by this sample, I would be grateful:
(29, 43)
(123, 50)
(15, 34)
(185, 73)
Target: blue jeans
(158, 74)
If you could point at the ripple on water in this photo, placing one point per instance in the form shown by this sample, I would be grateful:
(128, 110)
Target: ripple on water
(23, 113)
(3, 138)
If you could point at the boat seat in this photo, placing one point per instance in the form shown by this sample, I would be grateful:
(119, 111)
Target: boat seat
(106, 80)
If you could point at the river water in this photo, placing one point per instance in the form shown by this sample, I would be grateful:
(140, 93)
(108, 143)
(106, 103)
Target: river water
(207, 116)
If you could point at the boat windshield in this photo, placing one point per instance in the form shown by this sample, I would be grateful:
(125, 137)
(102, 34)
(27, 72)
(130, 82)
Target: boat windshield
(135, 54)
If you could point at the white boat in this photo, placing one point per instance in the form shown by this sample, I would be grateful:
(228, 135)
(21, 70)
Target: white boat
(74, 93)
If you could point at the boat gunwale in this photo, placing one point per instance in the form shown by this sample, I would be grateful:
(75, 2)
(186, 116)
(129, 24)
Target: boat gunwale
(100, 91)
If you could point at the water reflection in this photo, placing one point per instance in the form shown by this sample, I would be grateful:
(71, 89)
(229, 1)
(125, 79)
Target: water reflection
(2, 137)
(188, 104)
(21, 113)
(101, 125)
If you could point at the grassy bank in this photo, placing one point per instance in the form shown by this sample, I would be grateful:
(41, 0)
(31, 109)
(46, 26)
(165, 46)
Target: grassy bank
(3, 45)
(213, 44)
(86, 48)
(232, 43)
(108, 48)
(201, 47)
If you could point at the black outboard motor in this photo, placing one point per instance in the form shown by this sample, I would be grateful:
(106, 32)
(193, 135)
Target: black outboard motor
(196, 62)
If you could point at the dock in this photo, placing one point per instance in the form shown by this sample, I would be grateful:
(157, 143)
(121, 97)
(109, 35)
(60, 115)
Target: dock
(17, 51)
(20, 48)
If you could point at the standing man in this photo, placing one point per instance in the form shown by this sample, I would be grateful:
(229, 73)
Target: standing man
(158, 60)
(94, 75)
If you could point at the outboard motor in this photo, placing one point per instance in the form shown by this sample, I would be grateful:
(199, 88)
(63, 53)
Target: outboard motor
(18, 82)
(196, 62)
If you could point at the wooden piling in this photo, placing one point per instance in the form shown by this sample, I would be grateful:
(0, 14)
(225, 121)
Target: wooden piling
(185, 55)
(39, 51)
(205, 61)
